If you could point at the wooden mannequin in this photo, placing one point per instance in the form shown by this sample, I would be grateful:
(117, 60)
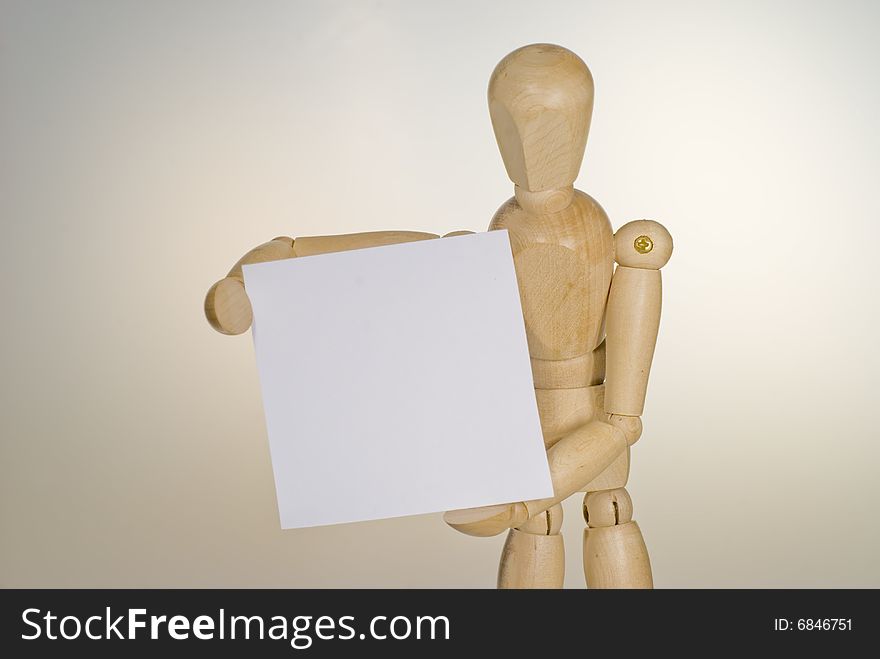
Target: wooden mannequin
(591, 336)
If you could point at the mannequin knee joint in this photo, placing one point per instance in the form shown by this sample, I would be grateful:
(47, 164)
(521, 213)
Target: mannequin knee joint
(607, 508)
(546, 523)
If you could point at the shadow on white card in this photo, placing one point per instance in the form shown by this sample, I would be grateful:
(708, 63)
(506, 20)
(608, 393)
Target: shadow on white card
(396, 381)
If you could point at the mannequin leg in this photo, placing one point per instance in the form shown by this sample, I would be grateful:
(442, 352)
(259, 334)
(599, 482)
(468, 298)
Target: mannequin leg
(533, 556)
(615, 555)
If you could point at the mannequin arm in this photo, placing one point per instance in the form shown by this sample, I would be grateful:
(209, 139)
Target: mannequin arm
(633, 319)
(574, 461)
(227, 306)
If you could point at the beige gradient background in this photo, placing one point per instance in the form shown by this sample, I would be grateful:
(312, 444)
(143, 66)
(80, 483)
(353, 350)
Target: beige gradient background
(145, 146)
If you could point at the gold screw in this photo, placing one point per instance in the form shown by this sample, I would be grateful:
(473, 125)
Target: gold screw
(643, 244)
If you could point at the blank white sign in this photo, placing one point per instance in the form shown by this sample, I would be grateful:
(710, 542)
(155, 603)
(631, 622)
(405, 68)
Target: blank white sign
(396, 381)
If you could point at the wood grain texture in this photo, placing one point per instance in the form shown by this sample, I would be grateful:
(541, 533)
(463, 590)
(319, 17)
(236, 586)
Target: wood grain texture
(583, 371)
(564, 262)
(541, 102)
(630, 425)
(533, 554)
(227, 306)
(595, 452)
(642, 244)
(632, 326)
(616, 557)
(562, 411)
(633, 316)
(487, 521)
(578, 458)
(608, 508)
(547, 523)
(529, 560)
(311, 245)
(614, 475)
